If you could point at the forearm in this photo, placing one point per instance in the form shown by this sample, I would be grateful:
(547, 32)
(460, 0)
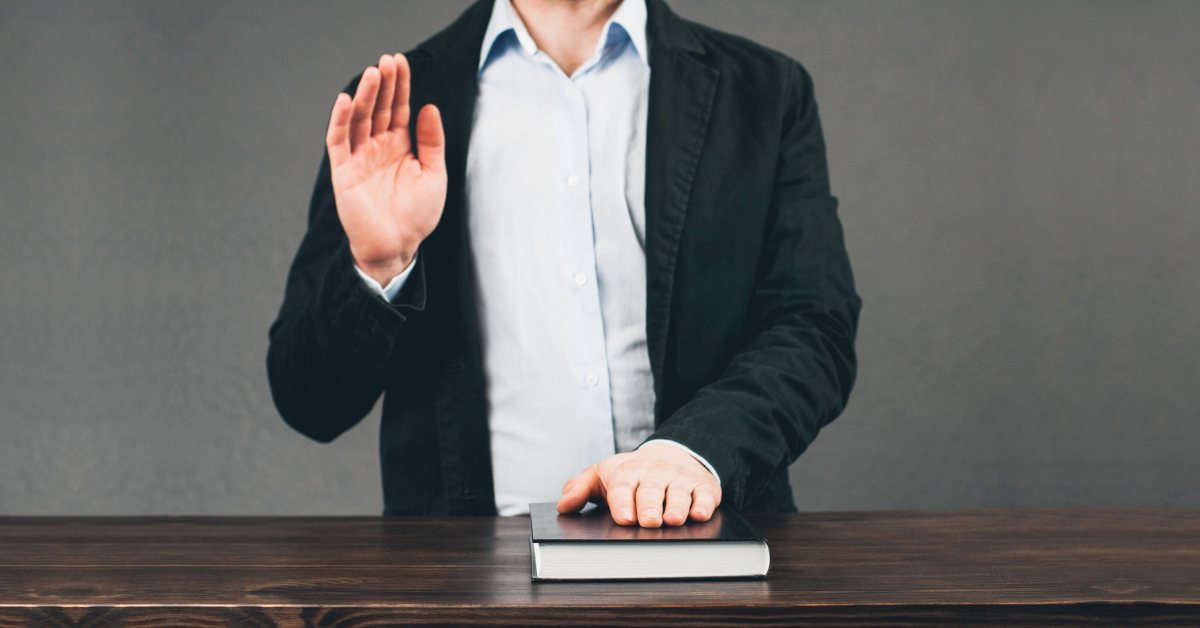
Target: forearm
(770, 402)
(330, 345)
(307, 392)
(795, 373)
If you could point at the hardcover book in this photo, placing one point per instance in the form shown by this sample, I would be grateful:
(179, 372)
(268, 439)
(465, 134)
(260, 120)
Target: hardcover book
(591, 546)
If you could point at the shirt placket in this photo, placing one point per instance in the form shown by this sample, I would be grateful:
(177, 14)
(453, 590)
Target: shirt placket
(589, 358)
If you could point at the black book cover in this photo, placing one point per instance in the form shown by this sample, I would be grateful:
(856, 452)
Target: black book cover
(596, 524)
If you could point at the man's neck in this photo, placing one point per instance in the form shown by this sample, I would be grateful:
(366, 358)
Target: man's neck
(566, 30)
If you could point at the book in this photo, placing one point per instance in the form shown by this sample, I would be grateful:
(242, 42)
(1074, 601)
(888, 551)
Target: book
(589, 545)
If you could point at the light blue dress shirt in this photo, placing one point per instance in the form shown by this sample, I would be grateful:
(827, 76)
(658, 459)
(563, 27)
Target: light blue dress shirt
(555, 195)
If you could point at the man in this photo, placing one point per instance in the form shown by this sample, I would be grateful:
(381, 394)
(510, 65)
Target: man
(603, 251)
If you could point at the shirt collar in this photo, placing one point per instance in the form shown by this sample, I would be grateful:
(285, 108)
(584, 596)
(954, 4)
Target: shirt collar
(631, 16)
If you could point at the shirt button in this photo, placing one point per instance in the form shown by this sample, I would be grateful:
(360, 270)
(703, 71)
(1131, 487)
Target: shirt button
(572, 181)
(572, 90)
(591, 379)
(581, 279)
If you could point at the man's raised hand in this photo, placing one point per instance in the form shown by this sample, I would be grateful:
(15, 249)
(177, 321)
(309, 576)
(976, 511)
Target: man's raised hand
(388, 199)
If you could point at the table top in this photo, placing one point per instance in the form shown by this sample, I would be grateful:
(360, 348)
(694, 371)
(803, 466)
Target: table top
(1008, 567)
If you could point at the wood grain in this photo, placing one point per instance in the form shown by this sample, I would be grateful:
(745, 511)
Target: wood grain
(1112, 567)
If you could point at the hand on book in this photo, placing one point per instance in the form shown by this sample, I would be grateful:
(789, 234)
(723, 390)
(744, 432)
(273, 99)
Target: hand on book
(654, 485)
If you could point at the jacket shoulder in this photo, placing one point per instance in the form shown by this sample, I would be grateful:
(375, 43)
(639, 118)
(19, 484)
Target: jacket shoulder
(745, 60)
(467, 27)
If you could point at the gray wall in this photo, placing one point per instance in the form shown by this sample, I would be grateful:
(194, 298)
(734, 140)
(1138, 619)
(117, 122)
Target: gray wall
(1019, 186)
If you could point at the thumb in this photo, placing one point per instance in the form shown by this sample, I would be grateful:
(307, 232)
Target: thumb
(431, 139)
(578, 491)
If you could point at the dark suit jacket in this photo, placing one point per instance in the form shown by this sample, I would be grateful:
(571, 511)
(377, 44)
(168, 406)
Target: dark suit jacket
(751, 309)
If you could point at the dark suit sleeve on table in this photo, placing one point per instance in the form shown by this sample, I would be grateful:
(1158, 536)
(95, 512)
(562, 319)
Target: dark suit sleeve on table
(795, 374)
(331, 342)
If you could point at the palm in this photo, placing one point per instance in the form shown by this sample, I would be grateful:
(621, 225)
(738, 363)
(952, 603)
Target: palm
(388, 199)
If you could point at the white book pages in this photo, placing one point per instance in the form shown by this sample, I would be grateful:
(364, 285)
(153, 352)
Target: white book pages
(614, 560)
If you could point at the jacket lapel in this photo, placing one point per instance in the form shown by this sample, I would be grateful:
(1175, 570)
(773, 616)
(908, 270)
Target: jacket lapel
(448, 80)
(682, 87)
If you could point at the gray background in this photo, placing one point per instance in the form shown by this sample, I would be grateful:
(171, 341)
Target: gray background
(1019, 186)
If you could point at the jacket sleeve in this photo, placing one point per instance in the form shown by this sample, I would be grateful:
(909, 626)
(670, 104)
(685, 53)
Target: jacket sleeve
(795, 373)
(330, 344)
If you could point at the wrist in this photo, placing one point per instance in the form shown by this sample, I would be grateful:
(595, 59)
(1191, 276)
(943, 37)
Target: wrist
(384, 271)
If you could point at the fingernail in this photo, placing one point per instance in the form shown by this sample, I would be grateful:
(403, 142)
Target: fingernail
(650, 513)
(673, 512)
(627, 514)
(700, 512)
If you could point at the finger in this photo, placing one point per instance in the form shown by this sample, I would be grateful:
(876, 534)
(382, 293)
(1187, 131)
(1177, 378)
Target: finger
(650, 503)
(679, 502)
(364, 107)
(431, 139)
(705, 499)
(620, 500)
(337, 138)
(400, 96)
(387, 89)
(577, 492)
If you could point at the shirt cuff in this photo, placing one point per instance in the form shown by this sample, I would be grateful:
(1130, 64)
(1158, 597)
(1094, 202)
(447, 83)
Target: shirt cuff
(689, 450)
(393, 287)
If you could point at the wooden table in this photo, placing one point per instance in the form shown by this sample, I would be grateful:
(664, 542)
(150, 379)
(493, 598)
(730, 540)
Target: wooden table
(978, 567)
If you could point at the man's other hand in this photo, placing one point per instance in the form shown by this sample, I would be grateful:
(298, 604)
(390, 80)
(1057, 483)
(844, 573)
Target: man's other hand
(388, 198)
(659, 483)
